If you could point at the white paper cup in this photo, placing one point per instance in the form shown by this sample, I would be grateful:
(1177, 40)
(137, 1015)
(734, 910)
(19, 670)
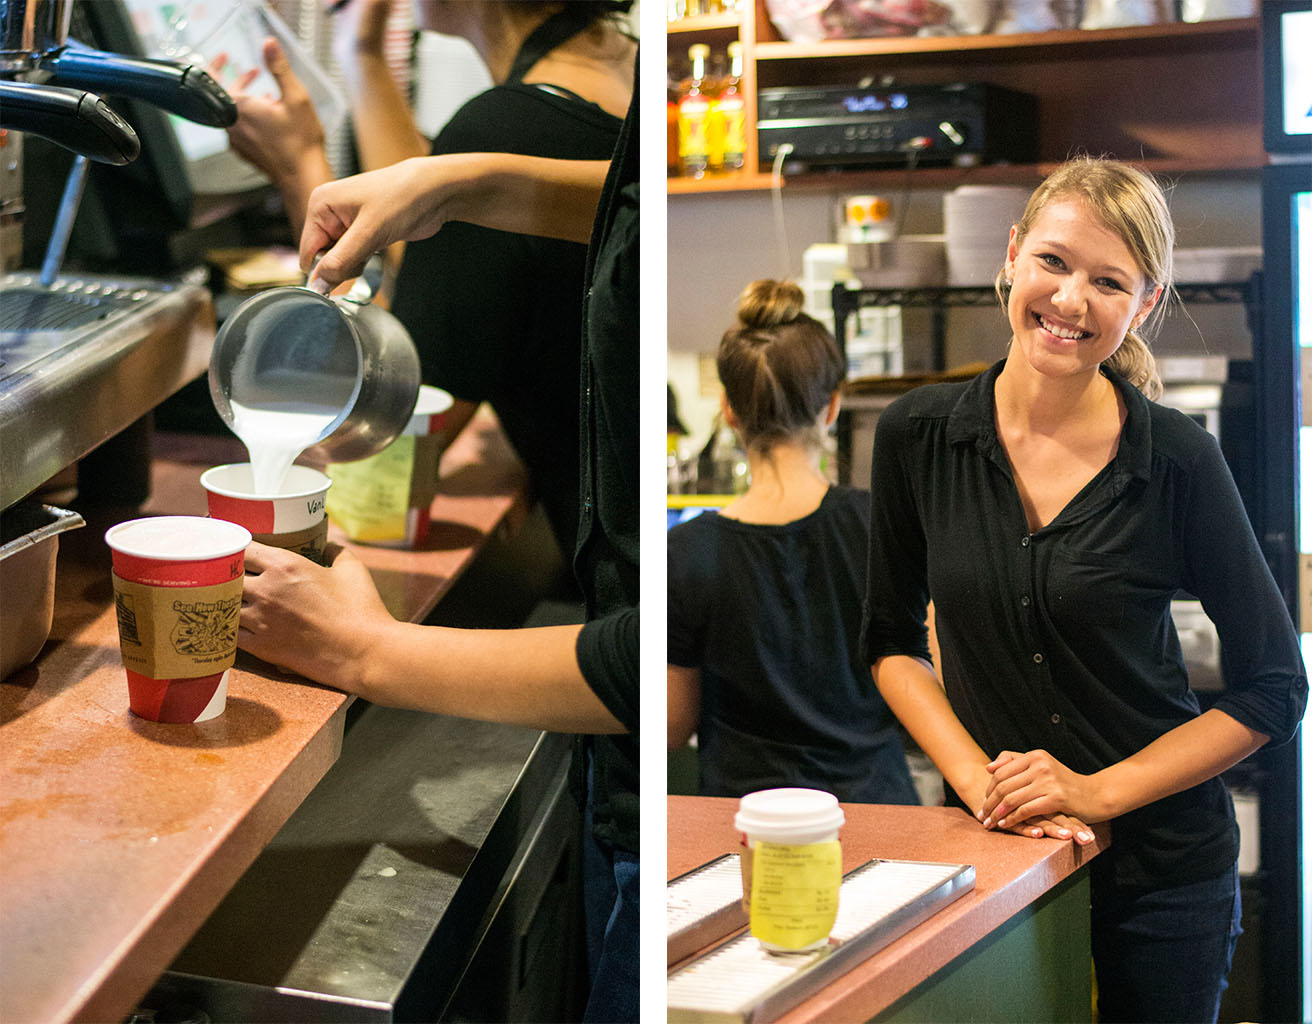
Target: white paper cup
(792, 866)
(294, 518)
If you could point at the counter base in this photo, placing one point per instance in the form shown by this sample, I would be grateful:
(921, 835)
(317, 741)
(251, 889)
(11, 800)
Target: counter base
(1036, 967)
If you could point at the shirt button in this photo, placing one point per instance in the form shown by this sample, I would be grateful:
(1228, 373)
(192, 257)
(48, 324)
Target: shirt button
(1025, 542)
(1025, 600)
(1038, 659)
(1056, 719)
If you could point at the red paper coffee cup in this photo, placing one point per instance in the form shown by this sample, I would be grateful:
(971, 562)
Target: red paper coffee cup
(294, 518)
(177, 593)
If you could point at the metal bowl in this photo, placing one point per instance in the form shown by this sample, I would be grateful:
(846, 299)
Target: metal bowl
(29, 541)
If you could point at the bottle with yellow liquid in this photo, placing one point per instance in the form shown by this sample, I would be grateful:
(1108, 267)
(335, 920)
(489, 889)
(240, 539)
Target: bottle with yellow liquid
(729, 134)
(694, 113)
(792, 865)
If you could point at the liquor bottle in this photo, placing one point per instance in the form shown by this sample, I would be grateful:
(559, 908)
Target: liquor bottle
(717, 74)
(694, 108)
(672, 91)
(731, 114)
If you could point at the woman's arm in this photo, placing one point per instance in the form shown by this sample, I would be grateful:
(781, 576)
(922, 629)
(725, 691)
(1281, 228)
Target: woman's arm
(382, 121)
(329, 624)
(683, 704)
(914, 694)
(1035, 782)
(381, 118)
(282, 135)
(353, 218)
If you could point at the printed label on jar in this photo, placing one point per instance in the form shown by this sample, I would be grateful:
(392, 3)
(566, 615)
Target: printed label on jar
(794, 892)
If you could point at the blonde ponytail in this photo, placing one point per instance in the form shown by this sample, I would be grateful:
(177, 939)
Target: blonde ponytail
(1135, 362)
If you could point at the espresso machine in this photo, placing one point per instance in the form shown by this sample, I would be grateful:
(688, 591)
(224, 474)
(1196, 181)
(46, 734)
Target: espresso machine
(84, 359)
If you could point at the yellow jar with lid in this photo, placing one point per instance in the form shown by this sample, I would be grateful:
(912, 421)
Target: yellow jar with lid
(792, 864)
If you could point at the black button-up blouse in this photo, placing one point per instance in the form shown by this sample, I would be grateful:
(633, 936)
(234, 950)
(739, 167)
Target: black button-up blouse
(1062, 639)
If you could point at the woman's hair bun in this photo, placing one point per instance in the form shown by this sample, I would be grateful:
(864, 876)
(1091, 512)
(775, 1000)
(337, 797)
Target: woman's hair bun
(767, 303)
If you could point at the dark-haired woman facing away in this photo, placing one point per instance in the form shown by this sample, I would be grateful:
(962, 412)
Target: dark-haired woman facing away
(764, 597)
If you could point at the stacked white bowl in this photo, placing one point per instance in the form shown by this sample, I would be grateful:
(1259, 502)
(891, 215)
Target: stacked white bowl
(976, 220)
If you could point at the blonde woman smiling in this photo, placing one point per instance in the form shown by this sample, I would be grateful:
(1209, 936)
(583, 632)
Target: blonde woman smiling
(1051, 510)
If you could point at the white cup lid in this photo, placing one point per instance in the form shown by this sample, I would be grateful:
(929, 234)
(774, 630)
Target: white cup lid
(789, 815)
(430, 402)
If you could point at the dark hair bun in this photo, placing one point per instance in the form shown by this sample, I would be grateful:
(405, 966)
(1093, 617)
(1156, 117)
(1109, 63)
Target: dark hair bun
(768, 303)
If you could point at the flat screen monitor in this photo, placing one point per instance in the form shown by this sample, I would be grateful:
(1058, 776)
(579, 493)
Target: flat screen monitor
(1287, 77)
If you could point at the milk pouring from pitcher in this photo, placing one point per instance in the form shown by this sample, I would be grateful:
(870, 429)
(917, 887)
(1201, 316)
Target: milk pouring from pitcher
(293, 370)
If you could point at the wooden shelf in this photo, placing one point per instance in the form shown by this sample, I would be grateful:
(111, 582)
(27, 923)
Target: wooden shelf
(1175, 98)
(930, 177)
(703, 23)
(742, 181)
(1160, 38)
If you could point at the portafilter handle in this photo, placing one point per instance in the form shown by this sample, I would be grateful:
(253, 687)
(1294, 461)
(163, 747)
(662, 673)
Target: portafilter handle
(77, 120)
(187, 90)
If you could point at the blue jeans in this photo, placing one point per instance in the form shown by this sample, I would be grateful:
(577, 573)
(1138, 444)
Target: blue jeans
(1164, 955)
(610, 910)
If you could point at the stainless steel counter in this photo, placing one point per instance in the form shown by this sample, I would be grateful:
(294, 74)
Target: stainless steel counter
(83, 359)
(436, 851)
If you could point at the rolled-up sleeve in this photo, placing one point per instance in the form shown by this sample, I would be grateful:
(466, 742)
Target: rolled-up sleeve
(1265, 678)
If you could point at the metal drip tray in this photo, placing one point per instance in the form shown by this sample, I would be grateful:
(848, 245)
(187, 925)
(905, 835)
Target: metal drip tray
(83, 358)
(47, 310)
(36, 321)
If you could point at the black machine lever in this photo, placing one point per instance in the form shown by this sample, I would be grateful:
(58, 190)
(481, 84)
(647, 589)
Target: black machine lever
(187, 90)
(77, 120)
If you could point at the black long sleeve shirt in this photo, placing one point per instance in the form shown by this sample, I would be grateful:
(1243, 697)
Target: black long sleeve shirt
(1062, 639)
(606, 557)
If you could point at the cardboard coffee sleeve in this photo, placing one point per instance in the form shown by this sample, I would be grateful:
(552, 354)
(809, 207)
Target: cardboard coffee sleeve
(177, 632)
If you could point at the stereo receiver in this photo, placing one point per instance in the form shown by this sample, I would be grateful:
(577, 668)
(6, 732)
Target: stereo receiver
(886, 126)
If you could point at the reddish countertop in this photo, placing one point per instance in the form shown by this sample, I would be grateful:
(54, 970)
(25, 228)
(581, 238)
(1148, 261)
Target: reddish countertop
(1010, 873)
(119, 836)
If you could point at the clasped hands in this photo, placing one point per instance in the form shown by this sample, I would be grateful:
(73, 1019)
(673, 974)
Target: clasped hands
(1033, 794)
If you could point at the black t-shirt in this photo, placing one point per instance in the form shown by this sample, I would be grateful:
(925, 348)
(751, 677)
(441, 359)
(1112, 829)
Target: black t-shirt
(770, 614)
(497, 316)
(1062, 639)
